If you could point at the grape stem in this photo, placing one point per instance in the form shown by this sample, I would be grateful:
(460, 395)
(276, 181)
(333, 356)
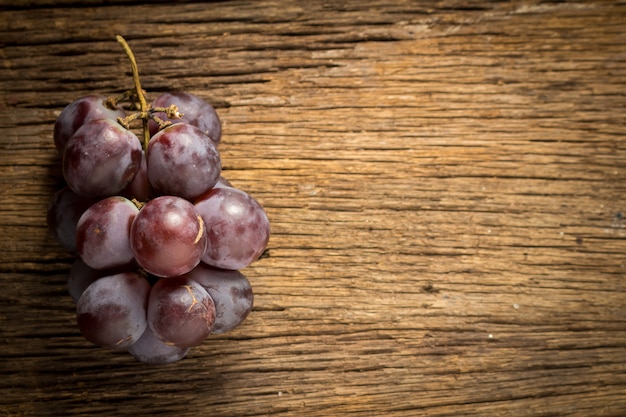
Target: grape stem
(142, 99)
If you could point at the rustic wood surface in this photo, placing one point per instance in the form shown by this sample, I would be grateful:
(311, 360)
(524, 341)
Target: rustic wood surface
(445, 182)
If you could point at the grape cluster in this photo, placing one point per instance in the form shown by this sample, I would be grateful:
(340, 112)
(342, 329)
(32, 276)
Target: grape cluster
(160, 235)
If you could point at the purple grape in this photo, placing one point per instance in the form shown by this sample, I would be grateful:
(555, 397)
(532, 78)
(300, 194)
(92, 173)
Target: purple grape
(111, 312)
(151, 350)
(101, 158)
(103, 233)
(195, 112)
(180, 311)
(139, 188)
(78, 113)
(231, 292)
(237, 228)
(64, 211)
(182, 161)
(168, 236)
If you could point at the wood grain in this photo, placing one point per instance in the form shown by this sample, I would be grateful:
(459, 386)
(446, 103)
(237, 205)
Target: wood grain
(445, 183)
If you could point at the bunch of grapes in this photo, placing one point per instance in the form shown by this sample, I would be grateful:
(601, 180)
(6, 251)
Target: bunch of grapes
(160, 235)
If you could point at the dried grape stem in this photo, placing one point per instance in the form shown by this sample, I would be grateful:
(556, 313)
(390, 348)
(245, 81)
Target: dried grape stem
(142, 99)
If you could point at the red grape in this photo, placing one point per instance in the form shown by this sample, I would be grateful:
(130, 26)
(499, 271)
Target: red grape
(102, 233)
(168, 236)
(231, 292)
(151, 350)
(194, 110)
(101, 158)
(180, 311)
(182, 161)
(111, 312)
(78, 113)
(237, 227)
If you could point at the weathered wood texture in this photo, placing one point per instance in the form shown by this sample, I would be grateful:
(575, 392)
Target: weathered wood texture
(445, 183)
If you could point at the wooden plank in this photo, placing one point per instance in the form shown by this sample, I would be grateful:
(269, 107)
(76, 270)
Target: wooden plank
(445, 184)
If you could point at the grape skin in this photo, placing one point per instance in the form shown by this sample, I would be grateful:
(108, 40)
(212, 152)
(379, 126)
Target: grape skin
(168, 236)
(237, 227)
(101, 159)
(182, 161)
(111, 312)
(180, 311)
(138, 187)
(79, 112)
(231, 292)
(64, 211)
(151, 350)
(103, 233)
(194, 110)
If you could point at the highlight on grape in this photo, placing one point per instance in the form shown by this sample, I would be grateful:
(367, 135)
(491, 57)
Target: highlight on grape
(159, 234)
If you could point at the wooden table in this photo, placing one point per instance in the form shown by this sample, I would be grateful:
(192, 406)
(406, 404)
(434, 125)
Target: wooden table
(445, 183)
